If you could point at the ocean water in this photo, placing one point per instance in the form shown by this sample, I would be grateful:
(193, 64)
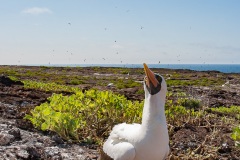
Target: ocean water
(225, 68)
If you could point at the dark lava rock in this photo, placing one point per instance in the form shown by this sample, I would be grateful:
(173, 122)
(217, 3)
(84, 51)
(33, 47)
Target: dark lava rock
(16, 133)
(8, 82)
(57, 139)
(33, 152)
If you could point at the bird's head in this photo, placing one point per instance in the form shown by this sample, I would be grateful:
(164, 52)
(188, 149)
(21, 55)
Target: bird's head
(154, 83)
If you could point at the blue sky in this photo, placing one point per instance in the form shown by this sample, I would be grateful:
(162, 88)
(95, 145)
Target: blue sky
(119, 31)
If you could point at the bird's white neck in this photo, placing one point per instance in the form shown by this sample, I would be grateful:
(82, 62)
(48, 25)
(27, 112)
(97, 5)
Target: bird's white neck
(153, 112)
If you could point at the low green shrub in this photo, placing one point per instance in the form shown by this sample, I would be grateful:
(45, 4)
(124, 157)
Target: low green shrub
(233, 111)
(13, 78)
(85, 116)
(189, 103)
(49, 86)
(127, 84)
(236, 135)
(179, 115)
(76, 82)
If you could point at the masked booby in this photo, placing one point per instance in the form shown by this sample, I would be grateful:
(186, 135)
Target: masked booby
(148, 140)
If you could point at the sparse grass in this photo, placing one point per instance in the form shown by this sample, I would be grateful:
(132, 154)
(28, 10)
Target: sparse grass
(140, 91)
(233, 111)
(196, 82)
(49, 86)
(189, 103)
(236, 135)
(76, 82)
(125, 72)
(127, 84)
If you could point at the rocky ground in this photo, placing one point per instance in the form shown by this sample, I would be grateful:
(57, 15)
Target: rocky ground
(20, 140)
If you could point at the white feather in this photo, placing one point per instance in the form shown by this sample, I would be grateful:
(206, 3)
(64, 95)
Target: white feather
(119, 146)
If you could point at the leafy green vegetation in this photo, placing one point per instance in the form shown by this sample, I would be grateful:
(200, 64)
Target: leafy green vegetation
(127, 83)
(231, 111)
(85, 116)
(13, 78)
(179, 115)
(125, 72)
(76, 82)
(140, 91)
(189, 103)
(182, 110)
(49, 86)
(202, 81)
(236, 135)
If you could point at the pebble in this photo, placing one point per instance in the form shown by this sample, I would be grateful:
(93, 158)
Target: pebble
(3, 126)
(5, 138)
(51, 151)
(23, 154)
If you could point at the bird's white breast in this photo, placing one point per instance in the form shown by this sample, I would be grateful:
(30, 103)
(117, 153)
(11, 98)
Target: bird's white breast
(153, 145)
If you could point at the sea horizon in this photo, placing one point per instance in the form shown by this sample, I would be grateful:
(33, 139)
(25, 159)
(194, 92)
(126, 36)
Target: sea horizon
(225, 68)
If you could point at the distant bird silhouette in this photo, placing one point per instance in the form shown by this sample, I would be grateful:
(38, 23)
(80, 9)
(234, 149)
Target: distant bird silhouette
(141, 27)
(69, 23)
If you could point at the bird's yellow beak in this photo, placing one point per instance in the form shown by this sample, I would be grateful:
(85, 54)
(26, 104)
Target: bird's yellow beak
(150, 76)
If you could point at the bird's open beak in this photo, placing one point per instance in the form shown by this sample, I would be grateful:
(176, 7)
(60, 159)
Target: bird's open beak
(150, 76)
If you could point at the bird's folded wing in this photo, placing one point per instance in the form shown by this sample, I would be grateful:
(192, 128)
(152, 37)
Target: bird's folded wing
(125, 132)
(119, 150)
(118, 144)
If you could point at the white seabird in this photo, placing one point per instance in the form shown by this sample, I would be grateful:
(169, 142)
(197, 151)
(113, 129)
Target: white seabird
(148, 140)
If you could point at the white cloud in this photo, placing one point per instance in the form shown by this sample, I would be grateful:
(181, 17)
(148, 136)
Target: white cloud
(36, 10)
